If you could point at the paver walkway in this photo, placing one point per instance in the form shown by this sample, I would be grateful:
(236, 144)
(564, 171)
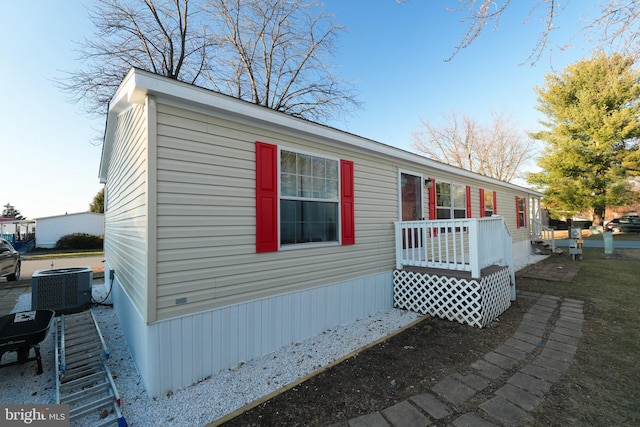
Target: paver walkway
(516, 374)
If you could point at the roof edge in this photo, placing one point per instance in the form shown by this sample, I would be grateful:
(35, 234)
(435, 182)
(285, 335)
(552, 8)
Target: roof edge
(138, 83)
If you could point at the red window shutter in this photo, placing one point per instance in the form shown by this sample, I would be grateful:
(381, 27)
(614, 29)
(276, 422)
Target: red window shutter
(347, 203)
(495, 203)
(481, 203)
(432, 199)
(266, 197)
(468, 195)
(517, 212)
(524, 206)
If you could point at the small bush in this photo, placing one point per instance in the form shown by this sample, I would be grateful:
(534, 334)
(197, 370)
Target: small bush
(80, 241)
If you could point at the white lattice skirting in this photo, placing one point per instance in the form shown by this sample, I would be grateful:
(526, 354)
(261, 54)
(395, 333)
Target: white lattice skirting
(475, 302)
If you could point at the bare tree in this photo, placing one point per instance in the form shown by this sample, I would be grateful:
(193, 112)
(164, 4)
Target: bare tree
(276, 53)
(615, 27)
(497, 150)
(479, 14)
(273, 52)
(166, 37)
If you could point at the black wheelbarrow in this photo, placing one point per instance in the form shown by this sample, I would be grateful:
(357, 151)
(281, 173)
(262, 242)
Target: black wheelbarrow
(23, 331)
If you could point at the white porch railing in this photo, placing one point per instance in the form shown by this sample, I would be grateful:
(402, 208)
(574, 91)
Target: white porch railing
(542, 232)
(457, 244)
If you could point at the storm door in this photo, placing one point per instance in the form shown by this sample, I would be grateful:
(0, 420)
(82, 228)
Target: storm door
(411, 206)
(411, 197)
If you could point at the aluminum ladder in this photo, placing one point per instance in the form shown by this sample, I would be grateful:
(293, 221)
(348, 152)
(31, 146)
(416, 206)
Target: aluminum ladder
(83, 379)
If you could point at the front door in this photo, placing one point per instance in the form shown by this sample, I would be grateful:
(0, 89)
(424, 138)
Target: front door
(411, 197)
(411, 205)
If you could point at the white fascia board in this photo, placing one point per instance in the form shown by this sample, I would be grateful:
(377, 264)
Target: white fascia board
(137, 84)
(89, 213)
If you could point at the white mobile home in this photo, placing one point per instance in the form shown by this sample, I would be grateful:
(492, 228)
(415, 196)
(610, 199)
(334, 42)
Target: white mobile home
(52, 228)
(233, 229)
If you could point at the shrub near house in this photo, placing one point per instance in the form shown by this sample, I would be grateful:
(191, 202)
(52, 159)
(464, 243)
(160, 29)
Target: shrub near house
(80, 241)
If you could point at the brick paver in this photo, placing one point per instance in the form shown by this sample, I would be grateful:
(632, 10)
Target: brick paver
(453, 390)
(522, 398)
(370, 420)
(472, 420)
(431, 405)
(500, 360)
(405, 414)
(501, 409)
(474, 381)
(487, 369)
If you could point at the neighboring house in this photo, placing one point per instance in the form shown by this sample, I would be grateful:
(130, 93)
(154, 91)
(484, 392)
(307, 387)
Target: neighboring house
(19, 232)
(233, 230)
(51, 228)
(11, 227)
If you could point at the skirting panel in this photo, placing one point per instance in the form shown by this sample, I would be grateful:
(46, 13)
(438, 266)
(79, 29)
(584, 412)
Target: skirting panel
(179, 352)
(475, 302)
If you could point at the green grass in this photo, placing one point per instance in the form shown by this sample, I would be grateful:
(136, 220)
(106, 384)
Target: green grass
(601, 387)
(586, 235)
(53, 254)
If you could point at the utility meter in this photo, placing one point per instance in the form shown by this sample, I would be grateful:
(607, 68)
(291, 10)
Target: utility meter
(575, 243)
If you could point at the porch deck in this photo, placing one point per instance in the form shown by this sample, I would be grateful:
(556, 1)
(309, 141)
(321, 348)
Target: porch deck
(452, 273)
(459, 270)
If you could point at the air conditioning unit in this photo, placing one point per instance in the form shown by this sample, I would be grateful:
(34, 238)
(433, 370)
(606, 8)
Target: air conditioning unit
(61, 289)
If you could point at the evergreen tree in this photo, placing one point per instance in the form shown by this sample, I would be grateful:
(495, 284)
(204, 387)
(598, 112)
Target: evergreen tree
(10, 211)
(97, 205)
(592, 127)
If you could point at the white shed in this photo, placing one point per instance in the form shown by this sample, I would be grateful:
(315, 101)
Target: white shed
(51, 228)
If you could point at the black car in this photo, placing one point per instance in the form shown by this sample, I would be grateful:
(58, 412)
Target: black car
(626, 224)
(9, 261)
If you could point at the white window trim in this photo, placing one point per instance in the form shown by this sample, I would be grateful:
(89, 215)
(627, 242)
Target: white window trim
(298, 246)
(452, 208)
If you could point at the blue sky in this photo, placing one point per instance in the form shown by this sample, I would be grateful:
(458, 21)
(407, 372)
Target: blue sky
(395, 53)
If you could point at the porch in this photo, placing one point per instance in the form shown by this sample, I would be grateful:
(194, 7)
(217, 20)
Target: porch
(19, 233)
(459, 269)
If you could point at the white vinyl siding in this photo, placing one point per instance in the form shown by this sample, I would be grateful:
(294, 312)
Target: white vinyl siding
(126, 222)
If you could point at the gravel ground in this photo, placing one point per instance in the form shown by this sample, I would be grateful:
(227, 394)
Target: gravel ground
(211, 398)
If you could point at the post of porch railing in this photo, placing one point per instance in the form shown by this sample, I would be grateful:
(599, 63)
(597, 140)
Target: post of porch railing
(474, 249)
(398, 229)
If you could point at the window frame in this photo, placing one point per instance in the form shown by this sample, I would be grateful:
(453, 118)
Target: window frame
(452, 206)
(521, 212)
(337, 201)
(483, 203)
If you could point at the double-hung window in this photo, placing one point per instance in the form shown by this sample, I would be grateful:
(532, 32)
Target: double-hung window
(487, 203)
(309, 198)
(521, 216)
(451, 201)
